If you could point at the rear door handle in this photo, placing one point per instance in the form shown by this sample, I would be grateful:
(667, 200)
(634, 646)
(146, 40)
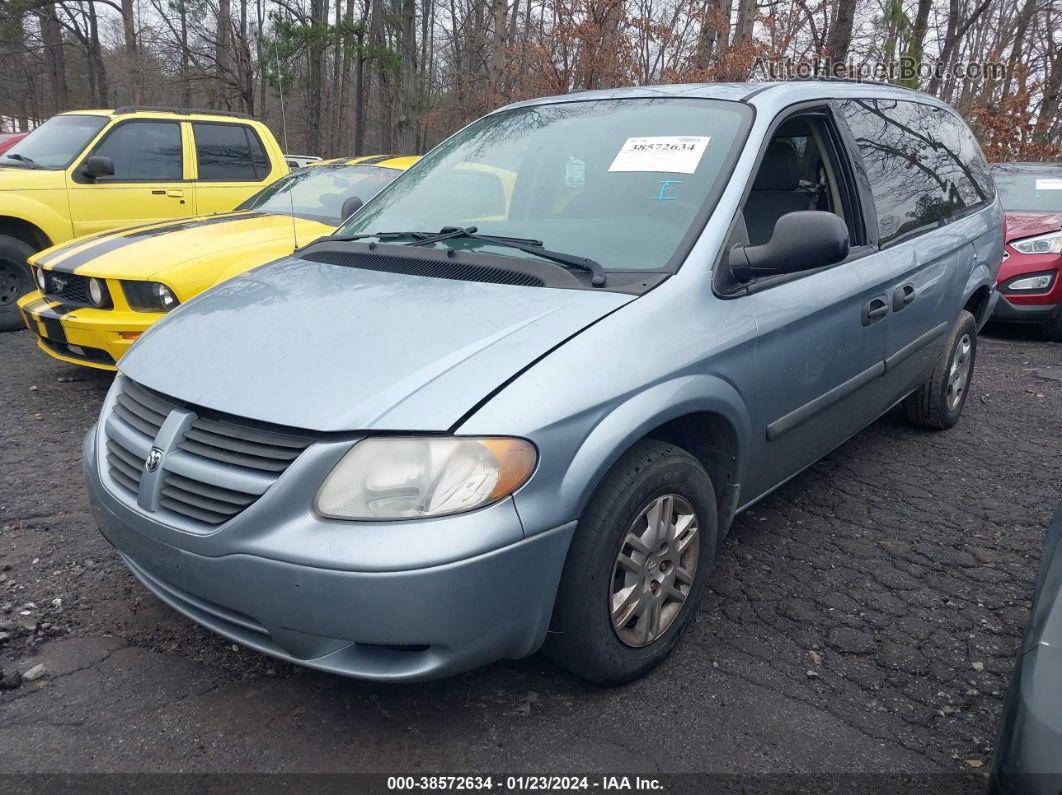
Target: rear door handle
(874, 310)
(176, 194)
(902, 296)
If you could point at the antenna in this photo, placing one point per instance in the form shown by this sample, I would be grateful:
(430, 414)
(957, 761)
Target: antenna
(284, 134)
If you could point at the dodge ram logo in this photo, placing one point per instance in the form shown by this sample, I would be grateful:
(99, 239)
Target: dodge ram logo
(153, 460)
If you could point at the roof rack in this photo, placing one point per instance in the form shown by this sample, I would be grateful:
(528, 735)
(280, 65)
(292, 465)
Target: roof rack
(832, 79)
(179, 111)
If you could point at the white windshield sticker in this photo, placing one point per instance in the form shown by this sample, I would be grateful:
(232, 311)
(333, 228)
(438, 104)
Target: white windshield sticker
(674, 154)
(1049, 184)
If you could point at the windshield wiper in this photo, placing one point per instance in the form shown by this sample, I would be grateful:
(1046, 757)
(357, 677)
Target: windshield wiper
(526, 244)
(597, 273)
(22, 159)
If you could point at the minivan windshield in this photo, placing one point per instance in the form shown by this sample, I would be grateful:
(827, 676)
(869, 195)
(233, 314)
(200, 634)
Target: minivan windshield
(619, 181)
(1029, 189)
(318, 192)
(55, 143)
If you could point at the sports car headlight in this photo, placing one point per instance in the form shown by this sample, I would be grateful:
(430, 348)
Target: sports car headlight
(97, 293)
(414, 477)
(1041, 244)
(42, 280)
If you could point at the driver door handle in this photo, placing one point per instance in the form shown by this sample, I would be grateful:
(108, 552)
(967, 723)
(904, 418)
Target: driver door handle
(902, 296)
(874, 310)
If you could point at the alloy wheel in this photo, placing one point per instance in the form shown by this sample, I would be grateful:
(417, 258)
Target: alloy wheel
(654, 570)
(959, 372)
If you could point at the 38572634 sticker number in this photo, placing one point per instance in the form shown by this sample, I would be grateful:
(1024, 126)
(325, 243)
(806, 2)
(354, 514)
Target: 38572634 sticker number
(672, 154)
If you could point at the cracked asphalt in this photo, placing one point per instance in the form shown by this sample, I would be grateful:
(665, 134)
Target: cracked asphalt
(863, 619)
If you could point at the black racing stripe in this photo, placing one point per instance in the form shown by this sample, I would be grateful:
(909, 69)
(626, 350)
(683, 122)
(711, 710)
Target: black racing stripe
(53, 327)
(86, 255)
(30, 310)
(374, 159)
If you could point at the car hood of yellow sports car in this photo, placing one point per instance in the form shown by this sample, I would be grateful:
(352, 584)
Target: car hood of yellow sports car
(189, 255)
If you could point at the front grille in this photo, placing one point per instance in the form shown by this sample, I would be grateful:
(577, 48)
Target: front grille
(217, 468)
(68, 288)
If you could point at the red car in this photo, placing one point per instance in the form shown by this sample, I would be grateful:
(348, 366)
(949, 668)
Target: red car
(7, 140)
(1029, 283)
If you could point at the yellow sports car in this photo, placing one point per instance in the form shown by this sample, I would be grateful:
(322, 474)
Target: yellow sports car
(97, 294)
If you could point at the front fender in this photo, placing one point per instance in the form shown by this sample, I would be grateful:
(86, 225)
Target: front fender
(25, 206)
(578, 451)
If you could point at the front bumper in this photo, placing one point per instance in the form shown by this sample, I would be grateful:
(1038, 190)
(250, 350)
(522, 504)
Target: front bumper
(1009, 312)
(409, 624)
(83, 335)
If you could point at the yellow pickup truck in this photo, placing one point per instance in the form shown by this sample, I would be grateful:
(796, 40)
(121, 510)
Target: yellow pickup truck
(90, 171)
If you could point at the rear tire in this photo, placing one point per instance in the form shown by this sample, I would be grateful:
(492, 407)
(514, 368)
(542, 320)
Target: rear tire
(15, 280)
(637, 566)
(938, 402)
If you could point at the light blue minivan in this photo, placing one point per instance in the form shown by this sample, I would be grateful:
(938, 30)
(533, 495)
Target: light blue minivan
(518, 398)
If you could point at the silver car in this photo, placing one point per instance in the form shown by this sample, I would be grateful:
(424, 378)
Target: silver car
(518, 398)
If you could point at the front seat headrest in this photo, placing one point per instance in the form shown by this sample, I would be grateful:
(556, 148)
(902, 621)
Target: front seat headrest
(780, 169)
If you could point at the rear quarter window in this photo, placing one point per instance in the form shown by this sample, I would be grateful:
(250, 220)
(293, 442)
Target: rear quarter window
(229, 153)
(923, 163)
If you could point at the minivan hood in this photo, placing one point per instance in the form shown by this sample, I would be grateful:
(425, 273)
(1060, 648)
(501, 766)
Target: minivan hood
(330, 348)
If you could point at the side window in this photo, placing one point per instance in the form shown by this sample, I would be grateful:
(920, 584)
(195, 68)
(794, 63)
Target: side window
(921, 160)
(144, 150)
(229, 153)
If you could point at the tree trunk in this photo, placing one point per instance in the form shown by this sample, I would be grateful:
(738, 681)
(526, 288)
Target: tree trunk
(746, 20)
(406, 129)
(315, 81)
(96, 55)
(135, 72)
(186, 65)
(840, 38)
(221, 53)
(52, 38)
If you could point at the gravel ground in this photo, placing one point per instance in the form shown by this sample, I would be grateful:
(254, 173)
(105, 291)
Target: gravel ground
(864, 618)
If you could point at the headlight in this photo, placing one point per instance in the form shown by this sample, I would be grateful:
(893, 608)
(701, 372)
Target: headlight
(1041, 244)
(149, 296)
(1037, 282)
(164, 295)
(42, 280)
(395, 477)
(97, 293)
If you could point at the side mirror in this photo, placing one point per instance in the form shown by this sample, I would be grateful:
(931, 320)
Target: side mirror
(350, 206)
(98, 166)
(801, 240)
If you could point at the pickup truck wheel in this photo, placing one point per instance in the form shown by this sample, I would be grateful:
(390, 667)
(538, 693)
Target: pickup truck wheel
(938, 402)
(15, 281)
(637, 566)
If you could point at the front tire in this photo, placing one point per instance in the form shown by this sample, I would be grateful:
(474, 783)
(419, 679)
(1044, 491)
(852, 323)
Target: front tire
(938, 402)
(637, 566)
(15, 280)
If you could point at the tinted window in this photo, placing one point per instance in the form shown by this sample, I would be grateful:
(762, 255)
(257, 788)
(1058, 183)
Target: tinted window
(55, 143)
(147, 150)
(1029, 188)
(229, 152)
(922, 162)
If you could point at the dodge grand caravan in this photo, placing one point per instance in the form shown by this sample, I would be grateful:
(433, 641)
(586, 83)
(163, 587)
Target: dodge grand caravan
(482, 418)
